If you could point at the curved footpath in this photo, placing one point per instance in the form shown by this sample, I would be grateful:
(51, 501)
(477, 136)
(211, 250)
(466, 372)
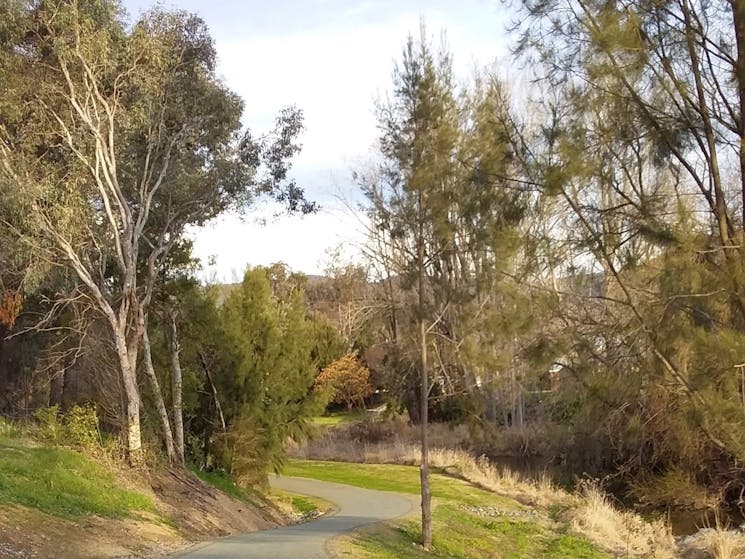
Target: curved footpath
(355, 507)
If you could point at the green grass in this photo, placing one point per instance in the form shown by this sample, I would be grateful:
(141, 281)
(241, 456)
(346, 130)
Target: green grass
(401, 479)
(303, 504)
(63, 483)
(459, 533)
(337, 418)
(306, 506)
(462, 536)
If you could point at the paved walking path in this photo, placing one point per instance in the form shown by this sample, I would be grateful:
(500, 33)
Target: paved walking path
(355, 507)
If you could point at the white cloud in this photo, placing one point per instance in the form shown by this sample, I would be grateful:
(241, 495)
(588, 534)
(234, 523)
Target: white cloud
(334, 76)
(300, 242)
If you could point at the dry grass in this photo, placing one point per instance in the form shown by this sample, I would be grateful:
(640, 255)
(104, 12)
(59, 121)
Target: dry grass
(623, 533)
(714, 543)
(479, 471)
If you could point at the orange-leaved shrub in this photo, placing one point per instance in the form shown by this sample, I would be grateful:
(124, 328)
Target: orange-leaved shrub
(347, 381)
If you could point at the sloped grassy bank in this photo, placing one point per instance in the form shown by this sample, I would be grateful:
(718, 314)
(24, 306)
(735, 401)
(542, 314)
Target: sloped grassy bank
(80, 501)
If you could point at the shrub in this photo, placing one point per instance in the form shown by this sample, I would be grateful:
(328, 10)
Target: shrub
(78, 427)
(81, 427)
(50, 426)
(8, 428)
(346, 380)
(240, 453)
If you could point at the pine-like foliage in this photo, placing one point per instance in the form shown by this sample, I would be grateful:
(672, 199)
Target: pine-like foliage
(267, 389)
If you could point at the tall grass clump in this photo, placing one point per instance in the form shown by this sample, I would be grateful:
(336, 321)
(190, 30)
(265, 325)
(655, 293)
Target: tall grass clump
(621, 532)
(715, 542)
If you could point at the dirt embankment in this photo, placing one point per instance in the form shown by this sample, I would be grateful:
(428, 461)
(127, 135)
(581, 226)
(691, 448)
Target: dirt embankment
(188, 511)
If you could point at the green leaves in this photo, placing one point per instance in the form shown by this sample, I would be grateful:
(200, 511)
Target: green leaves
(447, 207)
(266, 357)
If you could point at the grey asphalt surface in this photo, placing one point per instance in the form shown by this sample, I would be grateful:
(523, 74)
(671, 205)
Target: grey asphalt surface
(355, 507)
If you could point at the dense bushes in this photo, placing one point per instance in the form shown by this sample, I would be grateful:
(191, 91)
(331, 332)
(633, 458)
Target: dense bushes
(77, 427)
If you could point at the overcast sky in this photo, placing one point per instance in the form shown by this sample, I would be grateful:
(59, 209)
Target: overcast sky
(331, 58)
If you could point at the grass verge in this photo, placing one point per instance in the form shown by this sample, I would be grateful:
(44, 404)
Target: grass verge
(391, 477)
(338, 418)
(301, 507)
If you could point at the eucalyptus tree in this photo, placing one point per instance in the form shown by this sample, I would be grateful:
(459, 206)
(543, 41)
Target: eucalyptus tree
(125, 137)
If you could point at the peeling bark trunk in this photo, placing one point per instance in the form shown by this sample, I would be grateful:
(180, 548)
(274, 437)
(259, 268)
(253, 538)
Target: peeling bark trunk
(132, 433)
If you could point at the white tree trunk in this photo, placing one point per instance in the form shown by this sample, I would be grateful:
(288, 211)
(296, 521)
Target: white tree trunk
(177, 390)
(132, 434)
(159, 402)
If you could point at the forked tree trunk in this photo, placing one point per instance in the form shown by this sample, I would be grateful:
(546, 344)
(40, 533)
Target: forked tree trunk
(160, 404)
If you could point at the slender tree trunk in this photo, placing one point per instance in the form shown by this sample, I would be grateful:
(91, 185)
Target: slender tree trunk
(738, 16)
(424, 467)
(519, 407)
(490, 401)
(3, 364)
(712, 158)
(177, 389)
(413, 404)
(218, 407)
(159, 402)
(57, 389)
